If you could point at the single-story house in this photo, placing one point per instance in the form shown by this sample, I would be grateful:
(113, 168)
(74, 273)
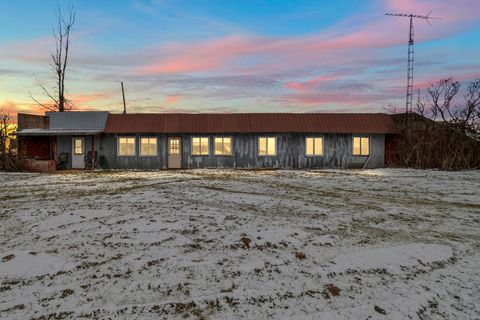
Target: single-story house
(76, 140)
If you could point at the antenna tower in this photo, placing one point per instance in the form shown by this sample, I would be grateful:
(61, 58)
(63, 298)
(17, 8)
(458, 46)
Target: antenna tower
(408, 103)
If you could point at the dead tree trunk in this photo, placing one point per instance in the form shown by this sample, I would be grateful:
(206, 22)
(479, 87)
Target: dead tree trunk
(57, 100)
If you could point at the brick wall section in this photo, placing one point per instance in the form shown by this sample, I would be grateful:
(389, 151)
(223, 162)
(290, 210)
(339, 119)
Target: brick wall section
(39, 165)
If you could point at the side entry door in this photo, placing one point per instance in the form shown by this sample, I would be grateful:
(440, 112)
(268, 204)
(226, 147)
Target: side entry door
(78, 153)
(174, 153)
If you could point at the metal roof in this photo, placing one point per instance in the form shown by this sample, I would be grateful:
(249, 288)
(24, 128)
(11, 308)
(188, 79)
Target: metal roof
(56, 132)
(368, 123)
(80, 120)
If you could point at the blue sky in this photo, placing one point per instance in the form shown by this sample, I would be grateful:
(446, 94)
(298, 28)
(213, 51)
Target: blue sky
(236, 56)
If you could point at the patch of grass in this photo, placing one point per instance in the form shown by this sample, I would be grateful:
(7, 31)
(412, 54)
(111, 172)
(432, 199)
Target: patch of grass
(92, 264)
(300, 255)
(231, 301)
(55, 316)
(331, 290)
(184, 307)
(246, 242)
(8, 258)
(193, 246)
(17, 307)
(155, 262)
(379, 310)
(66, 293)
(12, 197)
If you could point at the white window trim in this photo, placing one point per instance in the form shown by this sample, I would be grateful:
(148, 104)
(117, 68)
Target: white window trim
(140, 147)
(353, 146)
(134, 147)
(200, 154)
(267, 155)
(223, 154)
(75, 147)
(323, 146)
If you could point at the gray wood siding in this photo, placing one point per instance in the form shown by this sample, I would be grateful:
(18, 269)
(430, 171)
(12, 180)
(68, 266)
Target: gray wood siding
(290, 152)
(109, 150)
(64, 145)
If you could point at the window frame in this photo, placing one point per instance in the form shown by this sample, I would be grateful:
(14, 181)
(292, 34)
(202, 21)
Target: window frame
(75, 139)
(323, 146)
(176, 148)
(200, 154)
(267, 155)
(156, 146)
(134, 146)
(223, 146)
(361, 154)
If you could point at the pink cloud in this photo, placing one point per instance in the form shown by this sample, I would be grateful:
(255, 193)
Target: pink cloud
(200, 56)
(32, 50)
(311, 84)
(12, 108)
(172, 99)
(353, 99)
(335, 46)
(250, 51)
(89, 97)
(398, 86)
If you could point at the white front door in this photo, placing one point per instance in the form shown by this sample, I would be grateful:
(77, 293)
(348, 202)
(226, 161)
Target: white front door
(174, 153)
(78, 153)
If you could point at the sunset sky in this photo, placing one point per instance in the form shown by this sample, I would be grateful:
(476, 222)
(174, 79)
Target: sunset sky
(236, 56)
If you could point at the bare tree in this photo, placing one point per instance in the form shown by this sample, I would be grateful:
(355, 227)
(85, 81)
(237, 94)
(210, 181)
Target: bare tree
(7, 146)
(462, 115)
(446, 135)
(420, 104)
(390, 108)
(59, 64)
(442, 94)
(470, 113)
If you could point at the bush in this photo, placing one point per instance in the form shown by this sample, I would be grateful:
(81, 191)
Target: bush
(424, 143)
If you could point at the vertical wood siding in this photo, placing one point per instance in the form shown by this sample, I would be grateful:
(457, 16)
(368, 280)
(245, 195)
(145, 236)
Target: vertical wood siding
(290, 152)
(64, 145)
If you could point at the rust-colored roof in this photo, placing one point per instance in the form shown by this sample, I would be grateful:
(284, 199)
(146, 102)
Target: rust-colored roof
(250, 122)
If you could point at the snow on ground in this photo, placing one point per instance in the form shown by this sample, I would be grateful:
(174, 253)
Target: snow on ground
(207, 244)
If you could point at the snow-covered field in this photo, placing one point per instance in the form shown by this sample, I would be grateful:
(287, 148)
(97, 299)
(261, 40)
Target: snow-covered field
(206, 244)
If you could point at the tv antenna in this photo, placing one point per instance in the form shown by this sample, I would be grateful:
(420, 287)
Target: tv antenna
(408, 104)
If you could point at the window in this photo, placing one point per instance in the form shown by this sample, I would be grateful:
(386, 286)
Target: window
(200, 146)
(78, 146)
(126, 146)
(314, 146)
(223, 146)
(361, 146)
(174, 146)
(267, 146)
(148, 146)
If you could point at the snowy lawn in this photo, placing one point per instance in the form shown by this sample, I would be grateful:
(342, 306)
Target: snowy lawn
(208, 244)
